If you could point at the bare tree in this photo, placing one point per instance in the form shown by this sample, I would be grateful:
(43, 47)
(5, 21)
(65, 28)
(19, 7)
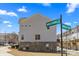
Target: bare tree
(13, 38)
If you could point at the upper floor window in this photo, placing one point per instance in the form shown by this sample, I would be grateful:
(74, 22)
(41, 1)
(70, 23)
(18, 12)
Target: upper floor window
(25, 25)
(29, 25)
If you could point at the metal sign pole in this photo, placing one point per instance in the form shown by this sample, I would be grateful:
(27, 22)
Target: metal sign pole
(66, 44)
(61, 35)
(77, 38)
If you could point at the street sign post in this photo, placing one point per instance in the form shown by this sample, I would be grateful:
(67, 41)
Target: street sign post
(66, 27)
(61, 35)
(52, 23)
(62, 26)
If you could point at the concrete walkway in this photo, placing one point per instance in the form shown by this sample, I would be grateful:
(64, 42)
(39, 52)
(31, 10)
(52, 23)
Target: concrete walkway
(70, 52)
(73, 52)
(4, 51)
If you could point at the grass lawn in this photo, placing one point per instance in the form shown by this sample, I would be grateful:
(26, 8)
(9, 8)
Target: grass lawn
(16, 52)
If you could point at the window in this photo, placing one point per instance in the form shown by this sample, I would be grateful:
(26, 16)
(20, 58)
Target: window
(25, 25)
(29, 25)
(37, 37)
(22, 37)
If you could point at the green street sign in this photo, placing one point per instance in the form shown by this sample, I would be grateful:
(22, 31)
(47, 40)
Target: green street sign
(66, 27)
(52, 23)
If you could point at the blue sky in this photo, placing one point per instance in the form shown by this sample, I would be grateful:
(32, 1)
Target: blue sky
(10, 13)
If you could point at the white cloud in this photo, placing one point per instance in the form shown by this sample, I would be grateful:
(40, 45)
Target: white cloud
(23, 9)
(9, 25)
(46, 4)
(75, 22)
(71, 7)
(67, 23)
(11, 14)
(5, 12)
(6, 22)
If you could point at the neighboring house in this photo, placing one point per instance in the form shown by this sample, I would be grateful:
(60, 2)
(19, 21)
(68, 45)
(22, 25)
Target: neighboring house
(34, 35)
(71, 38)
(8, 38)
(2, 38)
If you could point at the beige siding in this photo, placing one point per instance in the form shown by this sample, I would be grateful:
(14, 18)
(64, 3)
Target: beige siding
(38, 26)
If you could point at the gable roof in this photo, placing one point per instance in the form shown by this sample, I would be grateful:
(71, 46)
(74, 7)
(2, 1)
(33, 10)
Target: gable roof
(35, 15)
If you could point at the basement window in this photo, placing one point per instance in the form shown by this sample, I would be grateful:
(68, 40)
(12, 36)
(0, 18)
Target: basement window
(22, 37)
(37, 37)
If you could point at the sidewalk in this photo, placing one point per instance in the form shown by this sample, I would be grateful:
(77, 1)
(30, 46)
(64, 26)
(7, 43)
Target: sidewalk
(70, 52)
(4, 51)
(73, 52)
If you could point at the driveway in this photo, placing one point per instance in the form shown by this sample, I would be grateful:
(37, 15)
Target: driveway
(4, 51)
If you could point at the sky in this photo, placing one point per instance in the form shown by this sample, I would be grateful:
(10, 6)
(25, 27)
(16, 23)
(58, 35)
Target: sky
(10, 13)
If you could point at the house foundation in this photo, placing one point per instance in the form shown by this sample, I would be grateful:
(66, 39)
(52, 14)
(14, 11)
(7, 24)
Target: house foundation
(38, 46)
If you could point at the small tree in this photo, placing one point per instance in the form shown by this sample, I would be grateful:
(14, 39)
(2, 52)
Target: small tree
(13, 38)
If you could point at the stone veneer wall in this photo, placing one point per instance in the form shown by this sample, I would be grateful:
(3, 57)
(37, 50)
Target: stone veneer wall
(38, 46)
